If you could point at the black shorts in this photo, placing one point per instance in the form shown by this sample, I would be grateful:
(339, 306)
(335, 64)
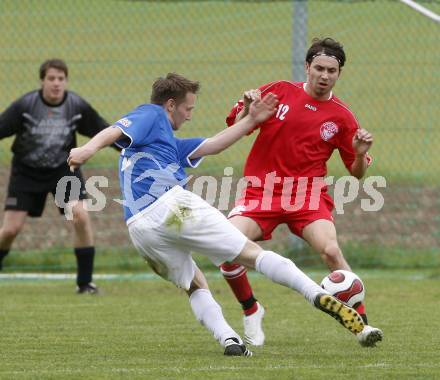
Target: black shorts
(29, 194)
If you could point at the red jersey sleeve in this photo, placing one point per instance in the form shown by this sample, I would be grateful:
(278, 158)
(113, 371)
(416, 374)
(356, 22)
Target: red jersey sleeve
(345, 142)
(230, 119)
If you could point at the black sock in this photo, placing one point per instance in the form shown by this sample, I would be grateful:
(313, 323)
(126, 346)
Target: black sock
(249, 303)
(3, 253)
(84, 260)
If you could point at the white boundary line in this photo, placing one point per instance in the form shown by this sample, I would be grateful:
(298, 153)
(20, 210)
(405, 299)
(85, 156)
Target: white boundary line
(72, 276)
(210, 275)
(425, 11)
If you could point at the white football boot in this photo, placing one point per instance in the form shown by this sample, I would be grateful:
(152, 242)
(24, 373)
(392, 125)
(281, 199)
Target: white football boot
(369, 336)
(253, 330)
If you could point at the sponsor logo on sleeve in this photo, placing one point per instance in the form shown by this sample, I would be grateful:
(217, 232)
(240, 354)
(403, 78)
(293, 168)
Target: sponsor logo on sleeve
(124, 122)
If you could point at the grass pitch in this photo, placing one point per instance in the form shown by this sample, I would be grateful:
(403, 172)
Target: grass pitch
(141, 329)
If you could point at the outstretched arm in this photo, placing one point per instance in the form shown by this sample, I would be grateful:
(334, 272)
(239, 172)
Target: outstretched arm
(82, 154)
(92, 122)
(260, 110)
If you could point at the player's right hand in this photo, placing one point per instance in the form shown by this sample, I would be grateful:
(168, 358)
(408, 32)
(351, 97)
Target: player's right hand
(77, 157)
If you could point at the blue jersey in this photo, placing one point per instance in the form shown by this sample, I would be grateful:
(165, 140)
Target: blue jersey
(153, 159)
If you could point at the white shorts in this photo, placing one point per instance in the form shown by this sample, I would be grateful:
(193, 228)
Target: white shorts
(179, 222)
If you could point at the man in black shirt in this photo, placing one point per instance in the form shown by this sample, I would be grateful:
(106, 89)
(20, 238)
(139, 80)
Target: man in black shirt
(45, 123)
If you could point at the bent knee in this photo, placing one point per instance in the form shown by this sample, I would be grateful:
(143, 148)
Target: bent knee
(80, 216)
(331, 252)
(11, 231)
(248, 255)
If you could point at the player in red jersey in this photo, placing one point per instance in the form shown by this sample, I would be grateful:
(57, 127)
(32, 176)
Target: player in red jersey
(286, 167)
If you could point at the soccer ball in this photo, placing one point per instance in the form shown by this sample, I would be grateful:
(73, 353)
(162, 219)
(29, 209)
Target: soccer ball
(345, 286)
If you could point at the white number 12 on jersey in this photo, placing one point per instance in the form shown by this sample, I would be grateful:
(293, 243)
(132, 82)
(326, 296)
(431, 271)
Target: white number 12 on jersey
(282, 110)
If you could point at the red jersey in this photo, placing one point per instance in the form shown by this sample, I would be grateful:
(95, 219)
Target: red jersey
(302, 135)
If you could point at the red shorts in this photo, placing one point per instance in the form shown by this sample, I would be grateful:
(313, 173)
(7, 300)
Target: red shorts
(269, 219)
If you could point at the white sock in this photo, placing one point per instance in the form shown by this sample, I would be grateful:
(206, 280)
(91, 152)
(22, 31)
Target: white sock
(209, 313)
(284, 272)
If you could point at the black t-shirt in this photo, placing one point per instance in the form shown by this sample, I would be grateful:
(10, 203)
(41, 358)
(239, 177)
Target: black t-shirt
(45, 134)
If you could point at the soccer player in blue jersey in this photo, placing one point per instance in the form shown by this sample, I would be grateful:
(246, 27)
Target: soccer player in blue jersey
(166, 222)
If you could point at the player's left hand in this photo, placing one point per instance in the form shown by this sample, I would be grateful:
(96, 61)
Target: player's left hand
(77, 157)
(362, 141)
(262, 109)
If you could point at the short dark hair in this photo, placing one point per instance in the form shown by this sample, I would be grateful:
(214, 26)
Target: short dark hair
(326, 46)
(53, 63)
(174, 86)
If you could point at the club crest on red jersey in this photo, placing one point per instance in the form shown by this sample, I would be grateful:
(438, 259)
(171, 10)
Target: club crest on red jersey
(328, 130)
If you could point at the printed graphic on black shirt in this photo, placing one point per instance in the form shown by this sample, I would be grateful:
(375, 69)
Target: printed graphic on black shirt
(51, 136)
(45, 134)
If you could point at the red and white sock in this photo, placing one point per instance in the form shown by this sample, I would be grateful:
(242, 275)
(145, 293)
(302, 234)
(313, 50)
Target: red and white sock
(361, 310)
(236, 277)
